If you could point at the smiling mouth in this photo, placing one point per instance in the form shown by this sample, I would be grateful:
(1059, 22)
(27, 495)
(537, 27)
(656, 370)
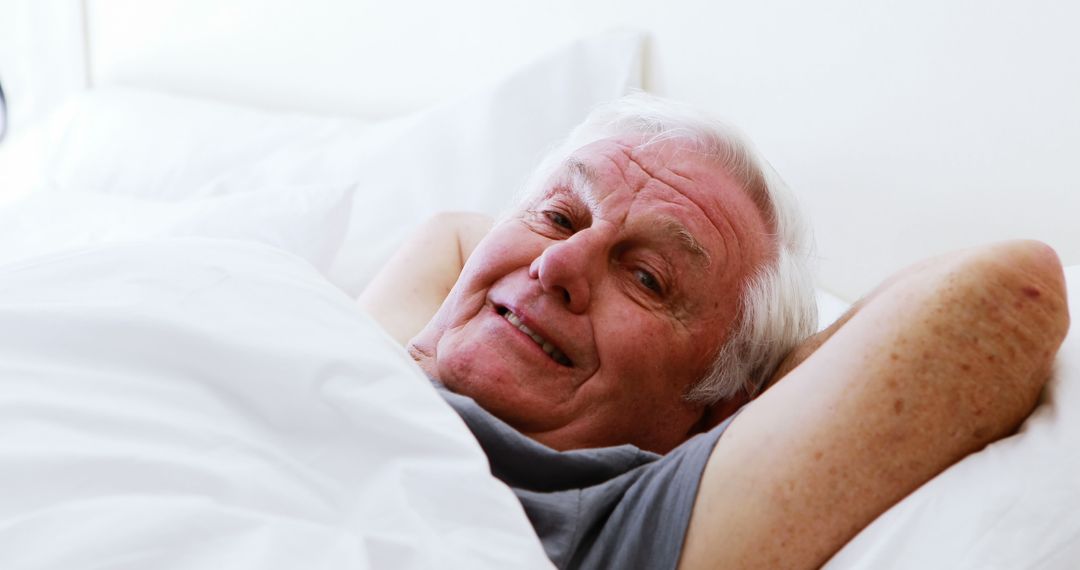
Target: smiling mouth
(544, 345)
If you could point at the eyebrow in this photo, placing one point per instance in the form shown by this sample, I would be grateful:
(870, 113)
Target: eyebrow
(580, 179)
(687, 241)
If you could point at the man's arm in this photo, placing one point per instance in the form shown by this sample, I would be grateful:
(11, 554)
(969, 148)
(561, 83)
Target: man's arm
(814, 342)
(935, 365)
(413, 284)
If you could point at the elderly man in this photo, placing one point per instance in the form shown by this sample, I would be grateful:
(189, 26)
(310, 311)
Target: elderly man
(599, 340)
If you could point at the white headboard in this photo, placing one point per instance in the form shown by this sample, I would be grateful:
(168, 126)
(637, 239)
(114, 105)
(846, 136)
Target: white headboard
(906, 128)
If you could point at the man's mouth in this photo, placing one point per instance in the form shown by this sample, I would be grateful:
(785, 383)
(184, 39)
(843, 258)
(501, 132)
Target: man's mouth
(544, 344)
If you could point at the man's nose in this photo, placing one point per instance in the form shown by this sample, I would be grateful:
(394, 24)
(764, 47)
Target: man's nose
(567, 268)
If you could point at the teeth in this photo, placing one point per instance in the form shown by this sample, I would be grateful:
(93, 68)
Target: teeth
(547, 347)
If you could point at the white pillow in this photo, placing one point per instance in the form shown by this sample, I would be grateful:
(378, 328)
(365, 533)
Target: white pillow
(205, 404)
(830, 308)
(471, 153)
(476, 153)
(167, 147)
(307, 222)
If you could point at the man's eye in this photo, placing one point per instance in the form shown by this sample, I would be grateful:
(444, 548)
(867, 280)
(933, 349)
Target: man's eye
(559, 220)
(648, 280)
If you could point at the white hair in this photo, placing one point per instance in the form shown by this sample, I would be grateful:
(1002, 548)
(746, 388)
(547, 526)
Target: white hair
(777, 308)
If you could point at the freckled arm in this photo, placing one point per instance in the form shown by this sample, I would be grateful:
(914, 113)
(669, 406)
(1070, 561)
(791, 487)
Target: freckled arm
(409, 289)
(814, 342)
(937, 363)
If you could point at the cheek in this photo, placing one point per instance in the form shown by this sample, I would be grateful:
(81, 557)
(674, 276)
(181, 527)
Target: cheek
(639, 349)
(490, 262)
(653, 356)
(457, 360)
(498, 254)
(501, 253)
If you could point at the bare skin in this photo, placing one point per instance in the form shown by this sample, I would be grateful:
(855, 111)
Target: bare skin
(939, 361)
(934, 366)
(581, 319)
(416, 280)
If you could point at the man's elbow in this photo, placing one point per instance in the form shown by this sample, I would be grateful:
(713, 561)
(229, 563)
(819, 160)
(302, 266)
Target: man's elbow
(1030, 273)
(1018, 292)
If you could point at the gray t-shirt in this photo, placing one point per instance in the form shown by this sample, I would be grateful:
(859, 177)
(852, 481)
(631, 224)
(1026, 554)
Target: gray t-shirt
(613, 507)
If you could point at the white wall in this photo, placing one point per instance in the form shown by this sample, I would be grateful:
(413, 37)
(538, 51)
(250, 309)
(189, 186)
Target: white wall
(907, 128)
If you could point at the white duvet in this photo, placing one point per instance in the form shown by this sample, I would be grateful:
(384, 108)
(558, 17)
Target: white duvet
(198, 403)
(194, 401)
(207, 403)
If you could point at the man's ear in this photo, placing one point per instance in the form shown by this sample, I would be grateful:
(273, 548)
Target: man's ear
(723, 409)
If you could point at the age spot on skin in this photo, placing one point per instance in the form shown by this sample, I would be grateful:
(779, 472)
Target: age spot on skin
(898, 406)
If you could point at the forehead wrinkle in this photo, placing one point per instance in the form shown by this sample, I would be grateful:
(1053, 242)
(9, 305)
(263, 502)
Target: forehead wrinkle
(731, 240)
(580, 180)
(727, 215)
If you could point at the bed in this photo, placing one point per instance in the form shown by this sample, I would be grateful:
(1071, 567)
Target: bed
(186, 381)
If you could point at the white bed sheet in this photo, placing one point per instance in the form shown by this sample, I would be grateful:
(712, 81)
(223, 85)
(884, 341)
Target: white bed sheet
(166, 406)
(198, 403)
(473, 152)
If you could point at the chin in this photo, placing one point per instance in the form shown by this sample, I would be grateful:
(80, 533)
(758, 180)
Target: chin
(501, 393)
(470, 374)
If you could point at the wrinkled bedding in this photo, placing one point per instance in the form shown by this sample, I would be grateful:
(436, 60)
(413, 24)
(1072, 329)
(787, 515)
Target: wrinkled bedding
(201, 403)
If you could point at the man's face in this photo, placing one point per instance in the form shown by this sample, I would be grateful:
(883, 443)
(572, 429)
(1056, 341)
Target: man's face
(582, 320)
